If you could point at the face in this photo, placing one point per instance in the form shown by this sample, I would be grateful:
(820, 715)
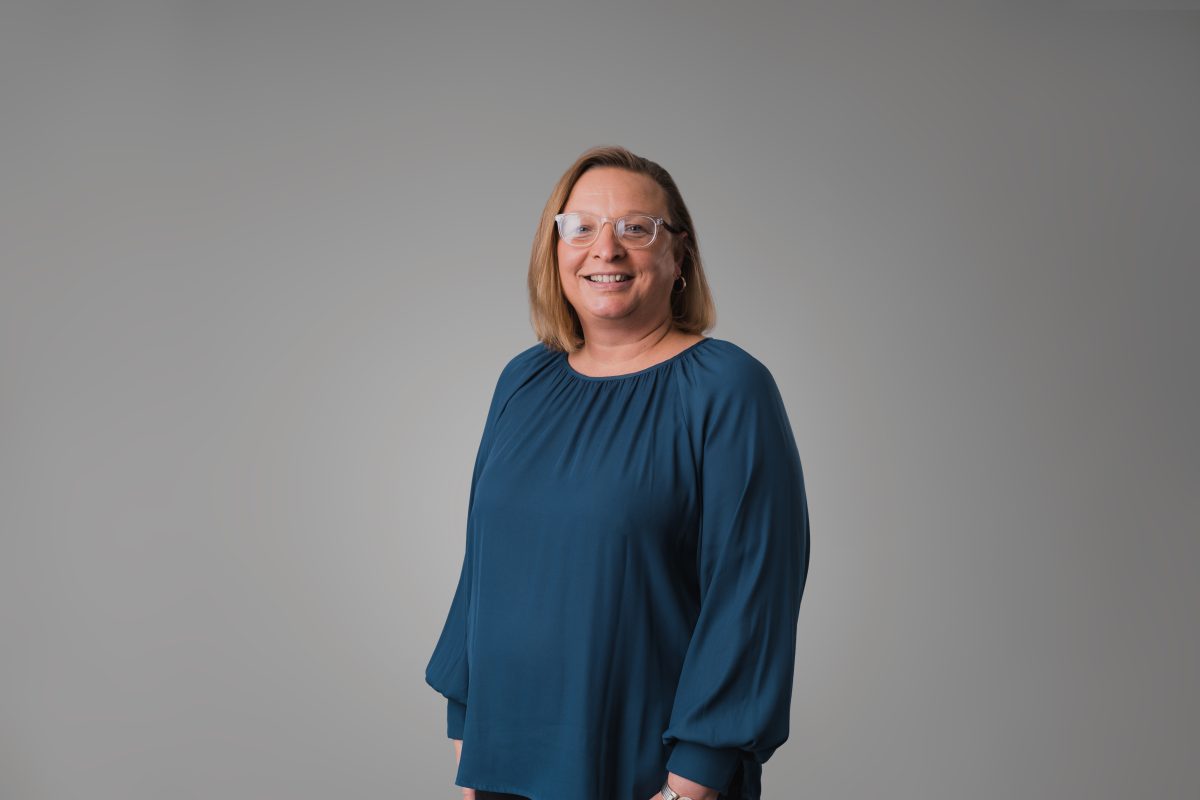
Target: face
(644, 299)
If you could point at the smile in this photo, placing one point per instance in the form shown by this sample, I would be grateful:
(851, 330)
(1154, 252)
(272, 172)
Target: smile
(609, 278)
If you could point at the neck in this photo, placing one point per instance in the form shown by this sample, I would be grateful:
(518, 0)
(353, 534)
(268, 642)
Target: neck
(616, 347)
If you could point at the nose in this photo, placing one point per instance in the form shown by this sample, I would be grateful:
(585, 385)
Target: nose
(607, 246)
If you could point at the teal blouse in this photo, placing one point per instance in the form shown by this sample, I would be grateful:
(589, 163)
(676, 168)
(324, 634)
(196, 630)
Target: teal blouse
(636, 551)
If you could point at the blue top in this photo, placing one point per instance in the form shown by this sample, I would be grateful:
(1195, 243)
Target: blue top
(636, 550)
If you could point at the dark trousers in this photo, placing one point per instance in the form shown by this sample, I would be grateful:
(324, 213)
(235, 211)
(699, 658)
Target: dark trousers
(480, 794)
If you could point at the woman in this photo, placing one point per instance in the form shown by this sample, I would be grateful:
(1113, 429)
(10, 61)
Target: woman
(637, 537)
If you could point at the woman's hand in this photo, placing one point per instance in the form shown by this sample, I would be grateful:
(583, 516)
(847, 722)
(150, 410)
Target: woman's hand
(687, 788)
(468, 794)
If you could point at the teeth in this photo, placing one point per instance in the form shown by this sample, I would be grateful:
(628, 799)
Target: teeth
(607, 278)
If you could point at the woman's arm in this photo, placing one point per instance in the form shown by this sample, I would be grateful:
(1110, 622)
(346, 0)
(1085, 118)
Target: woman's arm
(734, 691)
(467, 793)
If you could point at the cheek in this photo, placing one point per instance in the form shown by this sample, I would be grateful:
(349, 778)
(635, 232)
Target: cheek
(568, 258)
(567, 269)
(661, 266)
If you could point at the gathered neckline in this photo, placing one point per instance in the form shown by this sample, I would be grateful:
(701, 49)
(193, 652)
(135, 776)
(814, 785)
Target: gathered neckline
(572, 371)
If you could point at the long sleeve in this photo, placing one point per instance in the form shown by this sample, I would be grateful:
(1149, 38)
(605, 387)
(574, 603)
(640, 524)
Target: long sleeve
(734, 692)
(447, 670)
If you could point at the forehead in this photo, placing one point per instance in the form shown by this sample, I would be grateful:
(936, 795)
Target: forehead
(609, 190)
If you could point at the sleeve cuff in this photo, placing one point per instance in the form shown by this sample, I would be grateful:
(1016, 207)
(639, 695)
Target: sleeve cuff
(708, 766)
(456, 717)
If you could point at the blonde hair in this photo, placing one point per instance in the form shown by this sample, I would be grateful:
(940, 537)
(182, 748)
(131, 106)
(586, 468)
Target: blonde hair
(554, 320)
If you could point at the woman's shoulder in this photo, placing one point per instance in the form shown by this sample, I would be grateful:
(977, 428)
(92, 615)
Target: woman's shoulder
(726, 368)
(531, 359)
(731, 386)
(523, 366)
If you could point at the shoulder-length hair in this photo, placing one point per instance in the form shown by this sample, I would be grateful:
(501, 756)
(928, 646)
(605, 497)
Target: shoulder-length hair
(554, 320)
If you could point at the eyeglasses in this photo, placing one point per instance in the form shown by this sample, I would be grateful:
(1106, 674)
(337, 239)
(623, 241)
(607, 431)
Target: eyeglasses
(580, 229)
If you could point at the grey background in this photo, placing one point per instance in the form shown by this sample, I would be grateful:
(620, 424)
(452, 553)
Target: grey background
(261, 264)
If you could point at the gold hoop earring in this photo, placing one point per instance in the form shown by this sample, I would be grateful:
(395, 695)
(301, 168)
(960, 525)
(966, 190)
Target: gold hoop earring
(682, 288)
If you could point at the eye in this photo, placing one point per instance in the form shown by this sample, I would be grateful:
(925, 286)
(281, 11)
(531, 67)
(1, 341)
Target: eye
(577, 226)
(637, 228)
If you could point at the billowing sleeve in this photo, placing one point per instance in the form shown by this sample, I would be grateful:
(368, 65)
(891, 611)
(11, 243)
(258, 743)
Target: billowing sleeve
(447, 670)
(734, 693)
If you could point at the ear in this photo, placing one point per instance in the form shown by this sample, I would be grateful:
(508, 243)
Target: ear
(680, 250)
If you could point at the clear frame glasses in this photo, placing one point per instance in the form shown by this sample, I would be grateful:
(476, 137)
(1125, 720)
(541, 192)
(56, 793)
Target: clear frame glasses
(580, 229)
